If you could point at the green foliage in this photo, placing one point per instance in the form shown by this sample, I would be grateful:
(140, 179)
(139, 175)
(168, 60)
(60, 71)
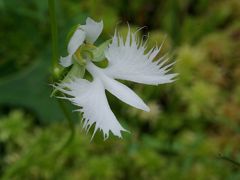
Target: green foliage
(190, 123)
(30, 89)
(32, 152)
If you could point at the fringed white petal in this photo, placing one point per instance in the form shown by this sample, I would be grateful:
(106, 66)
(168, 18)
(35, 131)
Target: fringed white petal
(129, 61)
(118, 89)
(93, 29)
(66, 61)
(76, 40)
(91, 98)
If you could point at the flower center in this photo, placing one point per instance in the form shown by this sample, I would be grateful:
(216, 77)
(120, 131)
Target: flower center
(84, 53)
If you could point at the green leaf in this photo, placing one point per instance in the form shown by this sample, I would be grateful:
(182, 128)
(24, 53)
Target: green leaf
(30, 89)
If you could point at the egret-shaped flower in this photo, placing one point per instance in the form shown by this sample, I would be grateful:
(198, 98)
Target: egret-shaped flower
(127, 60)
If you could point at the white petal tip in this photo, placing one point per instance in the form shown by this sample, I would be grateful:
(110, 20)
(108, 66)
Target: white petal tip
(93, 29)
(143, 107)
(147, 109)
(66, 61)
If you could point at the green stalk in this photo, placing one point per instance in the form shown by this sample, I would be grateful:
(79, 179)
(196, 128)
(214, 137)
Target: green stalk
(70, 123)
(55, 56)
(54, 33)
(229, 160)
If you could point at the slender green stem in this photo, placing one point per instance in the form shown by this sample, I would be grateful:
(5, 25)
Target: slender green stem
(55, 56)
(70, 123)
(54, 33)
(67, 115)
(229, 160)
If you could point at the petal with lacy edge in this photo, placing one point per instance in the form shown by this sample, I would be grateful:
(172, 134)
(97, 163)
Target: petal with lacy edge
(93, 29)
(129, 61)
(91, 98)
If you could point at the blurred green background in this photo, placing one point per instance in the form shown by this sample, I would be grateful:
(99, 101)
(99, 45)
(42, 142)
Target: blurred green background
(191, 122)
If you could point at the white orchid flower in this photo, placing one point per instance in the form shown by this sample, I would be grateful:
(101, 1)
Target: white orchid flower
(88, 32)
(127, 60)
